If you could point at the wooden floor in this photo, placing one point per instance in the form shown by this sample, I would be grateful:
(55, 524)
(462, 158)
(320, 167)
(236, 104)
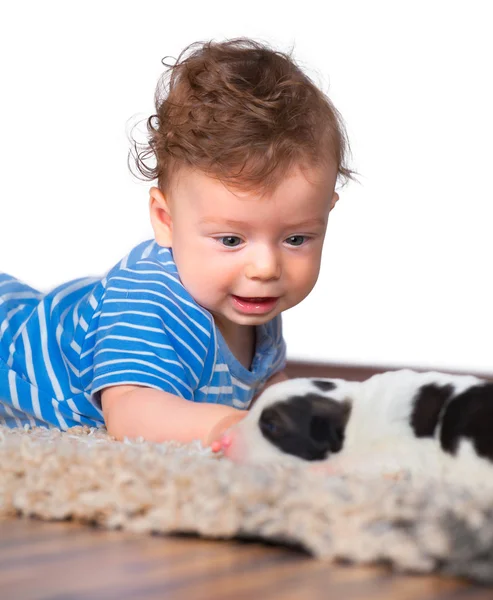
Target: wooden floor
(66, 561)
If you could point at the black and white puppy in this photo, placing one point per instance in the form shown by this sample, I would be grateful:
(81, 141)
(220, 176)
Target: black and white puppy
(394, 420)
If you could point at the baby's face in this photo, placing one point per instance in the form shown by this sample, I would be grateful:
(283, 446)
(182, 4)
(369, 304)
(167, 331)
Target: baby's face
(246, 257)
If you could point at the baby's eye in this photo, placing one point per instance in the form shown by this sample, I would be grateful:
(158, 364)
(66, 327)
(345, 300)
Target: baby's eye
(296, 240)
(231, 241)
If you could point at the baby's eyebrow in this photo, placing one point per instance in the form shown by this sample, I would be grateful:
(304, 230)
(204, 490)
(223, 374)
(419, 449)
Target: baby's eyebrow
(219, 221)
(307, 223)
(318, 222)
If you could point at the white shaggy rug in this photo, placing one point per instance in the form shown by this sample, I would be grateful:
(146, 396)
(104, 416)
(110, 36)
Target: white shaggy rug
(414, 525)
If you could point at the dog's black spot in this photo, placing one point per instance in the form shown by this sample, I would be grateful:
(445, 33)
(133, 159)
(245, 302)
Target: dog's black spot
(309, 426)
(470, 415)
(324, 385)
(428, 404)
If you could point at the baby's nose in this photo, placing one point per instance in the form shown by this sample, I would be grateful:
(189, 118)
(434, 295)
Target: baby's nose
(263, 264)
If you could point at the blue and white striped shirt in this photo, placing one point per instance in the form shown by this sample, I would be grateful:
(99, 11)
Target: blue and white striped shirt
(137, 325)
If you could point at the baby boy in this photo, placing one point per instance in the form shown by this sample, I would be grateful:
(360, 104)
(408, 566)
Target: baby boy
(176, 340)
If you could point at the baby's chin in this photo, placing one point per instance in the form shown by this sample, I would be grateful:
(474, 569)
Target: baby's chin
(251, 319)
(233, 320)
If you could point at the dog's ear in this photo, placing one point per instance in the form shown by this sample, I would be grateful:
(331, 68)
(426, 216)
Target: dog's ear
(324, 432)
(310, 426)
(328, 422)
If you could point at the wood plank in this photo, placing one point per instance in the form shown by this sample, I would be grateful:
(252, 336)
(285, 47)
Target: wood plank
(298, 368)
(69, 561)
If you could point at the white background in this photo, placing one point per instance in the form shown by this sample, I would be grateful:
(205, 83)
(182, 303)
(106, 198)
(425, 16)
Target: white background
(407, 263)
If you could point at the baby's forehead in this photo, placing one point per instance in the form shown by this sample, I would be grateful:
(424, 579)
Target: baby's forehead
(214, 198)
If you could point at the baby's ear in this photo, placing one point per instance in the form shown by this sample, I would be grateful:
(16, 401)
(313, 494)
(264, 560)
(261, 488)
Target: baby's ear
(160, 217)
(335, 198)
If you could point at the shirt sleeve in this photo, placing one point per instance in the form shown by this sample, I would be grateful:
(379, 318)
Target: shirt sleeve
(145, 336)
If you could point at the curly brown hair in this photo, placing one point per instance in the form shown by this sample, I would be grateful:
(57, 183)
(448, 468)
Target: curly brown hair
(243, 113)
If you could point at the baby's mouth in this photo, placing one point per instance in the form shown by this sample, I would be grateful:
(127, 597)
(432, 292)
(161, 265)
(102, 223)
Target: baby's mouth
(256, 299)
(254, 305)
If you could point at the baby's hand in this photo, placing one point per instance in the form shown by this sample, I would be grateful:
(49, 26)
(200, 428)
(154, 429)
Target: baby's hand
(222, 444)
(218, 438)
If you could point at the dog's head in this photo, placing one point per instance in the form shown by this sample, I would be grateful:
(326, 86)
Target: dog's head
(302, 418)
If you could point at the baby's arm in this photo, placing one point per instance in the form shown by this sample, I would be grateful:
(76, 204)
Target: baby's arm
(132, 411)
